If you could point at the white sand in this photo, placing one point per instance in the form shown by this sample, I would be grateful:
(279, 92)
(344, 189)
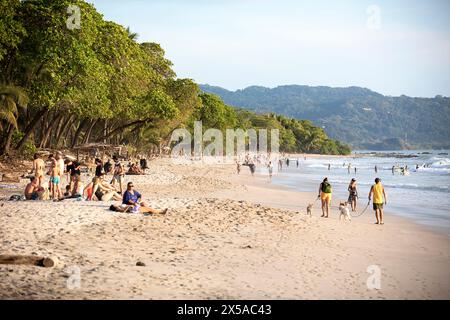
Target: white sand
(225, 237)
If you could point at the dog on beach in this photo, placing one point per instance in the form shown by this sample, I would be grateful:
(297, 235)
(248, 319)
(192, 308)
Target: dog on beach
(344, 211)
(309, 209)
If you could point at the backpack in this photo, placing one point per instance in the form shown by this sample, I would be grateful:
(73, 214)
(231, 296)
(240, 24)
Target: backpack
(326, 187)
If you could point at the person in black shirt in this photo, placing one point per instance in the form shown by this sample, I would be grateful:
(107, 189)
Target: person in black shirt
(73, 169)
(108, 166)
(99, 167)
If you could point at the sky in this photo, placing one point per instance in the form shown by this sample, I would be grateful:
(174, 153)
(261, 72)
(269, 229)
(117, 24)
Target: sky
(393, 47)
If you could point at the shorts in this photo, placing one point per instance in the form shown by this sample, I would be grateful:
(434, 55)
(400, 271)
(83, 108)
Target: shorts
(54, 180)
(118, 178)
(352, 197)
(377, 206)
(325, 197)
(34, 196)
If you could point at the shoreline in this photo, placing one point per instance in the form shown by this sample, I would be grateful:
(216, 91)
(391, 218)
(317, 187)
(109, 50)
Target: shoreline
(225, 237)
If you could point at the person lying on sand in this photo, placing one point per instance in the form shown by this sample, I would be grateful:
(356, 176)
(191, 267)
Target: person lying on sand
(31, 189)
(132, 197)
(103, 191)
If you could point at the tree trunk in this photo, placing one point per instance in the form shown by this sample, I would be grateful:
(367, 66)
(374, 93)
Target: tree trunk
(78, 132)
(123, 127)
(29, 129)
(88, 133)
(46, 141)
(65, 127)
(8, 139)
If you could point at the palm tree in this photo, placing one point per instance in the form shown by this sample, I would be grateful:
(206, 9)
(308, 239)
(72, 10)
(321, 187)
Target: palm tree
(11, 99)
(132, 35)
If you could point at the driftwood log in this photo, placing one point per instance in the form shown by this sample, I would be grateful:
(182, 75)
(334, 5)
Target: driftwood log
(46, 262)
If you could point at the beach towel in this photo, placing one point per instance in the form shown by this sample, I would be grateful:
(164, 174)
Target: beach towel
(17, 197)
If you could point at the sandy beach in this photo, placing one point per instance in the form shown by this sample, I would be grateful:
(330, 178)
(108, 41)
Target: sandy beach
(226, 236)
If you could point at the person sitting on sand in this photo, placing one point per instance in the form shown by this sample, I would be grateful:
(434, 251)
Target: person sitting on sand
(31, 189)
(134, 170)
(378, 195)
(38, 169)
(325, 196)
(132, 197)
(352, 194)
(67, 192)
(103, 191)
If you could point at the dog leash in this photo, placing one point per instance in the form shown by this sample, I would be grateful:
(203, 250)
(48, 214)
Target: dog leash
(362, 212)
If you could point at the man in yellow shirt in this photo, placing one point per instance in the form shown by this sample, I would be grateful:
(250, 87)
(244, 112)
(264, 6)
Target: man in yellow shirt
(378, 195)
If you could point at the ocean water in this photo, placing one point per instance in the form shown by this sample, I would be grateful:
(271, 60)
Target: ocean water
(423, 195)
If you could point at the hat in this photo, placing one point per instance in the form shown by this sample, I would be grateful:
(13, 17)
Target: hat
(353, 179)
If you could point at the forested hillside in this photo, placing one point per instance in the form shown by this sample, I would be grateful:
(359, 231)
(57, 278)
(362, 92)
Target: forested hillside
(63, 86)
(358, 116)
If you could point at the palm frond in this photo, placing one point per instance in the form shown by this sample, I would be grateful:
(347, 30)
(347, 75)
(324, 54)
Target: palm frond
(16, 93)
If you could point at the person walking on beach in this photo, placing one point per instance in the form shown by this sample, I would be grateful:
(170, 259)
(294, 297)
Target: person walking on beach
(355, 169)
(329, 167)
(119, 174)
(238, 167)
(376, 169)
(325, 197)
(377, 190)
(349, 166)
(297, 162)
(270, 167)
(38, 169)
(352, 194)
(252, 168)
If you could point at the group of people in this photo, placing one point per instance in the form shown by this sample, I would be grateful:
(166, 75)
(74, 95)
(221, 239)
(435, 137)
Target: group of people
(98, 189)
(377, 194)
